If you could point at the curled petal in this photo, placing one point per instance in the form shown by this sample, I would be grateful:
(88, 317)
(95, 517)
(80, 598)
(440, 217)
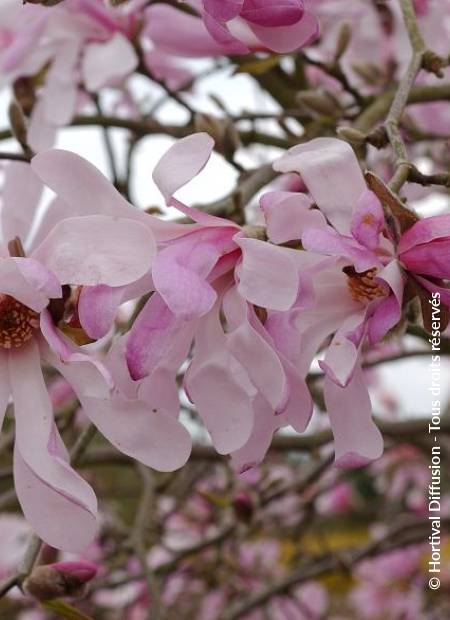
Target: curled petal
(288, 215)
(368, 220)
(28, 281)
(273, 13)
(424, 231)
(285, 39)
(223, 10)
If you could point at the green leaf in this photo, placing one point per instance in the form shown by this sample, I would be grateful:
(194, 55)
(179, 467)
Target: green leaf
(63, 610)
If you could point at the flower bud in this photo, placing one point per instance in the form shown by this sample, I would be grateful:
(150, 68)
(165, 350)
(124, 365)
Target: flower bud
(354, 136)
(18, 124)
(63, 579)
(343, 40)
(319, 102)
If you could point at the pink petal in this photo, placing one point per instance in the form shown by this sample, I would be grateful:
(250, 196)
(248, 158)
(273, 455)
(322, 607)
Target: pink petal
(288, 215)
(285, 39)
(423, 231)
(20, 198)
(389, 312)
(182, 162)
(273, 13)
(343, 352)
(215, 388)
(27, 281)
(429, 259)
(331, 172)
(97, 249)
(153, 334)
(180, 271)
(434, 288)
(5, 389)
(150, 436)
(186, 37)
(357, 440)
(368, 220)
(59, 504)
(97, 308)
(255, 449)
(108, 62)
(222, 35)
(223, 10)
(268, 275)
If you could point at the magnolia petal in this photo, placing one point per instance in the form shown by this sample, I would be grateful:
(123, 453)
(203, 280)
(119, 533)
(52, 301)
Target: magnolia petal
(27, 281)
(331, 172)
(215, 388)
(368, 220)
(222, 35)
(59, 504)
(268, 275)
(285, 39)
(388, 313)
(179, 274)
(223, 10)
(97, 308)
(20, 198)
(154, 438)
(108, 62)
(429, 259)
(425, 230)
(153, 334)
(288, 215)
(273, 13)
(97, 249)
(182, 162)
(255, 449)
(343, 353)
(357, 439)
(5, 389)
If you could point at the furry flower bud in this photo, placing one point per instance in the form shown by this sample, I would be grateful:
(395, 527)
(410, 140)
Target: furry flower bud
(62, 579)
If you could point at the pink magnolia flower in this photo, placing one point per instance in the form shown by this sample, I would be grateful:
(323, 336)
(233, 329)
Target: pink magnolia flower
(87, 250)
(360, 296)
(232, 27)
(202, 272)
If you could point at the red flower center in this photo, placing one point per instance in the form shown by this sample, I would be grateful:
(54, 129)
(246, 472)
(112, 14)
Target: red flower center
(17, 322)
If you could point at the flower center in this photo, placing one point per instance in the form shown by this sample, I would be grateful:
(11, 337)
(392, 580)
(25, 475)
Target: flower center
(362, 286)
(17, 322)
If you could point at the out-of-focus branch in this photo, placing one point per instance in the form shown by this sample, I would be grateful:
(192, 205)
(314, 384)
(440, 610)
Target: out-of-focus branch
(400, 536)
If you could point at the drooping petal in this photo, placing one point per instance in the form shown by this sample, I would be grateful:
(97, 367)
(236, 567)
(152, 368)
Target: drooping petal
(20, 198)
(368, 220)
(331, 172)
(108, 62)
(285, 39)
(268, 275)
(213, 384)
(97, 249)
(255, 449)
(220, 32)
(59, 504)
(288, 215)
(357, 439)
(343, 353)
